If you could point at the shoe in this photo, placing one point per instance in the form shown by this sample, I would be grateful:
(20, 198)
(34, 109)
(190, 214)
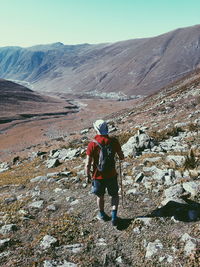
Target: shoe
(115, 221)
(103, 217)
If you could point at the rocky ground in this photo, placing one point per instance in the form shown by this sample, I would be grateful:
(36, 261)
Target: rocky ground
(48, 215)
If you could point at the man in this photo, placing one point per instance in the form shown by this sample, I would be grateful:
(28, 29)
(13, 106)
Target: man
(106, 179)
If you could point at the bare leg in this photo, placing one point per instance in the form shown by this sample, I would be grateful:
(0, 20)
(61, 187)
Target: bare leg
(100, 203)
(115, 202)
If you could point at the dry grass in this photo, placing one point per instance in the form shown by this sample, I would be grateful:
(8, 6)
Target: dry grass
(165, 134)
(22, 173)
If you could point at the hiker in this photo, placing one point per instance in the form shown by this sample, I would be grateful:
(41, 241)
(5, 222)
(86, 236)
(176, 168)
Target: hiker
(105, 178)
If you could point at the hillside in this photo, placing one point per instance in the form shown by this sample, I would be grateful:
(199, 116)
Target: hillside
(134, 67)
(18, 103)
(48, 215)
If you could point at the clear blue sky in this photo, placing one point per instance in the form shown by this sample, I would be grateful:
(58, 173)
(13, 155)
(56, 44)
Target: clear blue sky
(30, 22)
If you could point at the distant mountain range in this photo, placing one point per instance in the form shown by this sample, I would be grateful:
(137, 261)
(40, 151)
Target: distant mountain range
(134, 67)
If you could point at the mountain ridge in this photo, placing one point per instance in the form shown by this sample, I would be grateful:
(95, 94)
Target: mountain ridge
(134, 67)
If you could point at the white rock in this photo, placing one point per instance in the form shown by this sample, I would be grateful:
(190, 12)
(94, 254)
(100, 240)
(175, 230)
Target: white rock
(48, 241)
(52, 263)
(192, 187)
(179, 160)
(70, 199)
(75, 202)
(174, 191)
(74, 248)
(8, 228)
(58, 190)
(153, 248)
(52, 207)
(137, 230)
(190, 243)
(38, 179)
(4, 167)
(119, 259)
(101, 242)
(146, 221)
(146, 160)
(52, 163)
(37, 204)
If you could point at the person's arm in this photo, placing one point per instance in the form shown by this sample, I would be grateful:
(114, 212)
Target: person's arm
(119, 151)
(88, 163)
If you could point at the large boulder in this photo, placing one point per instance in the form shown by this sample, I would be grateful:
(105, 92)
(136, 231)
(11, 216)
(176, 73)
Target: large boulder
(137, 143)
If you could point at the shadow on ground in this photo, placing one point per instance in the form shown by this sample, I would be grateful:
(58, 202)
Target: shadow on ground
(123, 224)
(188, 212)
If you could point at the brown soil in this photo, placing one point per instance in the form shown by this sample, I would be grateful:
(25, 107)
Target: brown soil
(19, 135)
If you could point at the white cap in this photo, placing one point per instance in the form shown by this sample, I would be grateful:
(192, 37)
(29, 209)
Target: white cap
(101, 127)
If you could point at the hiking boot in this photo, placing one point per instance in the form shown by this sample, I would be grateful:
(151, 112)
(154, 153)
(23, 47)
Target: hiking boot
(103, 217)
(115, 221)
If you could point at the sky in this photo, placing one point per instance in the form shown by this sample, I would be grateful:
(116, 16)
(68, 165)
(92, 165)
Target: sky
(31, 22)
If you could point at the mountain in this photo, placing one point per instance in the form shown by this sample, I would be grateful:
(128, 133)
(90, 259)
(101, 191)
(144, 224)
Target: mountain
(138, 66)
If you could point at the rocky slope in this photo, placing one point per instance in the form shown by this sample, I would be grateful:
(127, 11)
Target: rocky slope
(133, 67)
(48, 216)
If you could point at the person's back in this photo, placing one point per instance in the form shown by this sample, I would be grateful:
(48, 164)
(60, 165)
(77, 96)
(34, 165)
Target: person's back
(106, 179)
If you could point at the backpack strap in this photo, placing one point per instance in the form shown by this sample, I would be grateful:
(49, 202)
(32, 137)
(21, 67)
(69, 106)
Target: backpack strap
(95, 141)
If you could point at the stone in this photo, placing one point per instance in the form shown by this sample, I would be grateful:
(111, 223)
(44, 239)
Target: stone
(64, 154)
(192, 187)
(48, 241)
(8, 228)
(4, 243)
(139, 177)
(4, 166)
(10, 200)
(75, 202)
(178, 160)
(53, 263)
(174, 191)
(52, 207)
(37, 204)
(101, 242)
(137, 143)
(52, 163)
(58, 190)
(74, 248)
(190, 244)
(146, 221)
(153, 248)
(84, 131)
(70, 199)
(151, 160)
(65, 174)
(119, 259)
(39, 179)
